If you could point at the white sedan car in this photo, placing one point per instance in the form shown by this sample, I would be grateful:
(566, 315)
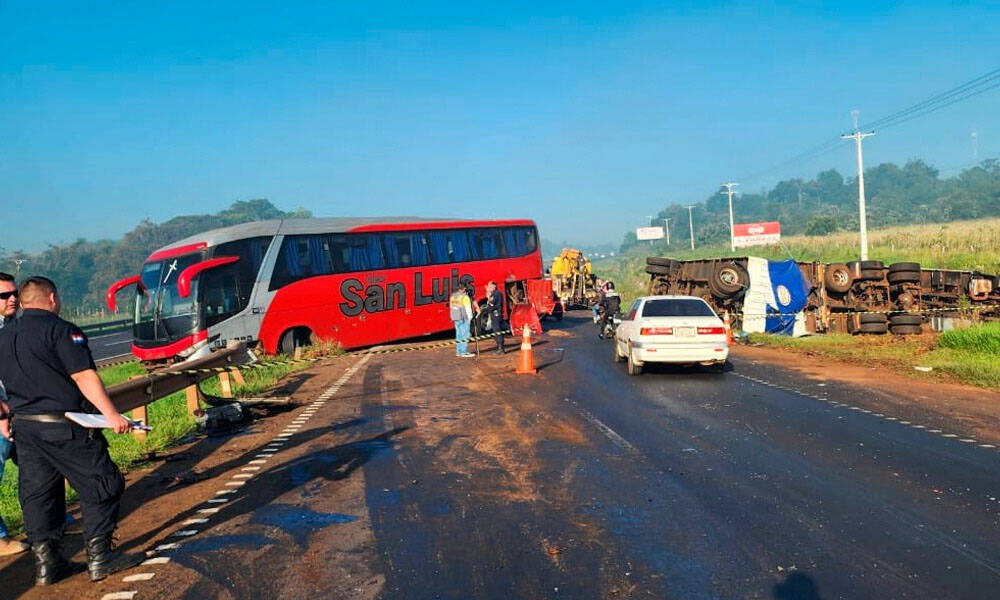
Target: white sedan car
(670, 329)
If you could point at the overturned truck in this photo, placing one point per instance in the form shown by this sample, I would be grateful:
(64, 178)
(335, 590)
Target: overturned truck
(809, 297)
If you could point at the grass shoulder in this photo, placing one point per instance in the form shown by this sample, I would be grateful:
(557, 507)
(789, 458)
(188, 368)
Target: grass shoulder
(970, 355)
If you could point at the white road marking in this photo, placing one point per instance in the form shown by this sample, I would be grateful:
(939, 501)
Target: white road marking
(218, 500)
(250, 469)
(611, 434)
(164, 547)
(138, 577)
(235, 483)
(209, 511)
(194, 521)
(258, 461)
(221, 492)
(184, 532)
(119, 595)
(156, 560)
(243, 475)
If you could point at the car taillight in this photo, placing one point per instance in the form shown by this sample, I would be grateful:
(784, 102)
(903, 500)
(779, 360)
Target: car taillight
(711, 331)
(656, 331)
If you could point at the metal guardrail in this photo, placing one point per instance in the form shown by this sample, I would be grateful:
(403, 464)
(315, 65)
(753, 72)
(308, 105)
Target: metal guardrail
(107, 327)
(142, 390)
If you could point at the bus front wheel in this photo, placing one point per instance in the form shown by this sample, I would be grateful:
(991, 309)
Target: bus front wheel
(294, 338)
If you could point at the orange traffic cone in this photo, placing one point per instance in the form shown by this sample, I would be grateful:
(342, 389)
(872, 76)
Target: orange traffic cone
(526, 364)
(728, 327)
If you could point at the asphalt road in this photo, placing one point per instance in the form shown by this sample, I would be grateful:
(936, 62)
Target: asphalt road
(111, 345)
(697, 485)
(424, 475)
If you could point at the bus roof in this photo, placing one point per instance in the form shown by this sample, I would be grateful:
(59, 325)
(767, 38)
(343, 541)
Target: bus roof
(274, 227)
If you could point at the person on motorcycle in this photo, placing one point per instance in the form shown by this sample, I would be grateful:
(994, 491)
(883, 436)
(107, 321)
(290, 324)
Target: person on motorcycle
(610, 303)
(596, 306)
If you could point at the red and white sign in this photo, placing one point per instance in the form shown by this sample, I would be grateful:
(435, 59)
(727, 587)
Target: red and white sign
(649, 233)
(756, 234)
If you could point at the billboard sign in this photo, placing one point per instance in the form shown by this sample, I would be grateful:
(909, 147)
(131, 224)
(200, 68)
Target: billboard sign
(649, 233)
(756, 234)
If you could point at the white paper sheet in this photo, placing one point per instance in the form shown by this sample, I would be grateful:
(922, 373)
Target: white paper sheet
(100, 422)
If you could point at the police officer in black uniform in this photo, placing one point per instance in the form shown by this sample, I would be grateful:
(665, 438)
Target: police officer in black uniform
(47, 368)
(494, 308)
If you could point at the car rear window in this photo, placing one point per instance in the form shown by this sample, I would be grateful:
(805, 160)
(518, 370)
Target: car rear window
(676, 308)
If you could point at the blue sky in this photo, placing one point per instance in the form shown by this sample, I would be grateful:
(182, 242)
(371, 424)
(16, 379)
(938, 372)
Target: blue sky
(584, 116)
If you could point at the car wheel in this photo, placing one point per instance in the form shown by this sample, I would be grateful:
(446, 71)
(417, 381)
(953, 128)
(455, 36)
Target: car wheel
(618, 355)
(634, 368)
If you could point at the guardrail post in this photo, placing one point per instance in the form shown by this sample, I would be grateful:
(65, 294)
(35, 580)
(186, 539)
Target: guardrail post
(140, 414)
(193, 394)
(224, 383)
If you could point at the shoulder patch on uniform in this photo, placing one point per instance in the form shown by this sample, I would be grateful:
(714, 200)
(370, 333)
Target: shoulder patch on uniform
(78, 338)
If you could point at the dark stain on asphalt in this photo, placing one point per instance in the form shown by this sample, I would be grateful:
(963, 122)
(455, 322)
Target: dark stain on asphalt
(297, 521)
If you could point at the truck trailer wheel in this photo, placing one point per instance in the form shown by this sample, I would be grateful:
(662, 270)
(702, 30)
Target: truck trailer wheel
(728, 280)
(838, 278)
(905, 329)
(660, 261)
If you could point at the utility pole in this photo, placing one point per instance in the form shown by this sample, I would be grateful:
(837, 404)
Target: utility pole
(666, 228)
(732, 231)
(975, 147)
(857, 136)
(691, 223)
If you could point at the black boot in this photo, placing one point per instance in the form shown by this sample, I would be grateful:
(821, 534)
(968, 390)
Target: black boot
(103, 559)
(50, 565)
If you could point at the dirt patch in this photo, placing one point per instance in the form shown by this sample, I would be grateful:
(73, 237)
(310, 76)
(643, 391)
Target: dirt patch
(963, 407)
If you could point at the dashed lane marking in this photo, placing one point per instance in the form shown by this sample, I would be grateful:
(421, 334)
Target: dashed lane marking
(239, 479)
(874, 414)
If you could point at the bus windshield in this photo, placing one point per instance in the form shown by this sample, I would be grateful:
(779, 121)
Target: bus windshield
(160, 312)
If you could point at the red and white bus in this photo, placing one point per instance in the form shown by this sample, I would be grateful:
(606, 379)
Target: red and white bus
(283, 283)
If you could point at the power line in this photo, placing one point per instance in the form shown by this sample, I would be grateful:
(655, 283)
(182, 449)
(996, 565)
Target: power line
(964, 91)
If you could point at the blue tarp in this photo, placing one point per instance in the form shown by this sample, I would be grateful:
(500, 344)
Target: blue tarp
(790, 293)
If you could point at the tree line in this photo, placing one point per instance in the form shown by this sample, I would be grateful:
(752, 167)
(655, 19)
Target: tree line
(84, 269)
(913, 193)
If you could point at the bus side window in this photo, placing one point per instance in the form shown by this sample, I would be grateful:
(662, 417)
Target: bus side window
(440, 247)
(488, 242)
(515, 241)
(340, 253)
(398, 252)
(365, 252)
(420, 249)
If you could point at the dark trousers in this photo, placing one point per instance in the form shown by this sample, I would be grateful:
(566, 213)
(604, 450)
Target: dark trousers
(497, 328)
(49, 452)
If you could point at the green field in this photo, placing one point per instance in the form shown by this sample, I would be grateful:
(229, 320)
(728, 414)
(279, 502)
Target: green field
(168, 416)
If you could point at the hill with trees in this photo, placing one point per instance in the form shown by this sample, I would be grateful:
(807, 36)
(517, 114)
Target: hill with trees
(84, 269)
(912, 194)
